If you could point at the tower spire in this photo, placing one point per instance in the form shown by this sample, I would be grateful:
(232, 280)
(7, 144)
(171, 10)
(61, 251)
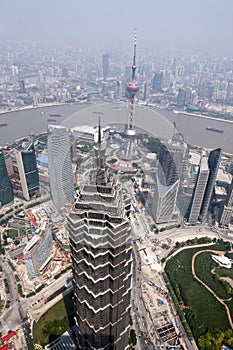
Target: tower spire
(134, 56)
(100, 175)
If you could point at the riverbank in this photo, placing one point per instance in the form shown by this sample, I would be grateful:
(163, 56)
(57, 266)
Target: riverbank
(158, 122)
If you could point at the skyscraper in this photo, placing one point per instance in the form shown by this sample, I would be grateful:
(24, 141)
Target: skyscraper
(60, 166)
(226, 210)
(164, 201)
(28, 172)
(171, 166)
(100, 241)
(213, 163)
(105, 66)
(198, 192)
(6, 192)
(181, 98)
(157, 81)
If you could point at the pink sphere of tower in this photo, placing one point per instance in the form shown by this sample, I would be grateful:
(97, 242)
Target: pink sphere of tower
(132, 88)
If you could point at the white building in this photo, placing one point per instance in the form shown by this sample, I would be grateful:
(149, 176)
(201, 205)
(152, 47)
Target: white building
(37, 253)
(87, 133)
(222, 260)
(60, 166)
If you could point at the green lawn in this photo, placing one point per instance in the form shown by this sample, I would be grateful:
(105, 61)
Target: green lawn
(225, 272)
(64, 308)
(204, 264)
(13, 233)
(202, 309)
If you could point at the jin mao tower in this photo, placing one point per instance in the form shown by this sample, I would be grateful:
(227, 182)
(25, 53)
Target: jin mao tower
(100, 241)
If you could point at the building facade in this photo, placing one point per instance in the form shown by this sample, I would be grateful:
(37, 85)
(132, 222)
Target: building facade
(157, 81)
(226, 211)
(164, 202)
(28, 172)
(37, 253)
(101, 251)
(105, 64)
(213, 164)
(169, 177)
(6, 192)
(198, 192)
(60, 166)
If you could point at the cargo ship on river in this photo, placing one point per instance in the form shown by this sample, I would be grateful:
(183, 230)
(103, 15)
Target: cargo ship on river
(209, 128)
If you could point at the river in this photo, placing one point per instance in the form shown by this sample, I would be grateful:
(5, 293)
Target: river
(157, 122)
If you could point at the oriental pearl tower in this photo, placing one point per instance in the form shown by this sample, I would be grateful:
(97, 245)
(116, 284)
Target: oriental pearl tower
(132, 89)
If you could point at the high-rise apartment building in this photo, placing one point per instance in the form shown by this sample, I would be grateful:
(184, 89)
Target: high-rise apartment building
(193, 212)
(60, 166)
(100, 240)
(27, 168)
(6, 192)
(213, 163)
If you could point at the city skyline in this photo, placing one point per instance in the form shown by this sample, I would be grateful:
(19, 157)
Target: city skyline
(80, 205)
(165, 26)
(101, 218)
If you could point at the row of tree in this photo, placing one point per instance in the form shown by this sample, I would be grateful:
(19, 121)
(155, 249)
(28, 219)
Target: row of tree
(215, 338)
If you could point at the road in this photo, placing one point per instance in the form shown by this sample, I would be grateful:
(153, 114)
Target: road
(37, 304)
(16, 316)
(13, 310)
(139, 311)
(144, 322)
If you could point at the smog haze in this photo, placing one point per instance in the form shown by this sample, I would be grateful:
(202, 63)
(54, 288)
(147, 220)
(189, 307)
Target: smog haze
(107, 24)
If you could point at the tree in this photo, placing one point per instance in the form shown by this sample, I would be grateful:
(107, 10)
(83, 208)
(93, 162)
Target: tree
(212, 340)
(132, 338)
(5, 236)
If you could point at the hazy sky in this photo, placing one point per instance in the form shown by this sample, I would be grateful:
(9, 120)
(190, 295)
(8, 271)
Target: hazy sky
(110, 23)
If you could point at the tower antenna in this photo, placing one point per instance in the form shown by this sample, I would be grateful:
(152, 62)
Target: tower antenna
(134, 56)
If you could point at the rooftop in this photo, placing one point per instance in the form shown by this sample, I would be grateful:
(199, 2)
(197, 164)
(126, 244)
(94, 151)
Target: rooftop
(222, 260)
(8, 336)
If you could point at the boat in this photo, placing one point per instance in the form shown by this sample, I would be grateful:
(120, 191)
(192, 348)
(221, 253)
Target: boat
(51, 120)
(55, 115)
(3, 124)
(209, 128)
